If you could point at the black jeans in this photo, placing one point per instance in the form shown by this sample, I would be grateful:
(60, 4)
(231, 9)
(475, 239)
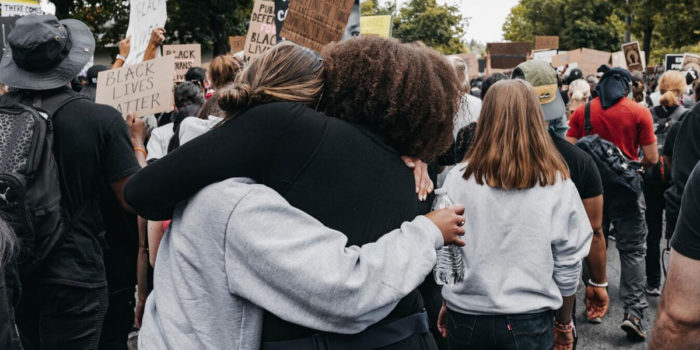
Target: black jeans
(654, 197)
(500, 332)
(52, 316)
(119, 320)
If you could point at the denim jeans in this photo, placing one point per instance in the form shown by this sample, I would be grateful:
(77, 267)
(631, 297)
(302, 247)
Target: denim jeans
(626, 214)
(500, 332)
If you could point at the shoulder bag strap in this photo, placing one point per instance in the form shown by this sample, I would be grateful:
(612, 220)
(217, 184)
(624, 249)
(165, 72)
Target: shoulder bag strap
(587, 116)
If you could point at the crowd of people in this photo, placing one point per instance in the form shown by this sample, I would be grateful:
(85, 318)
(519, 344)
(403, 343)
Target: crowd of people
(285, 203)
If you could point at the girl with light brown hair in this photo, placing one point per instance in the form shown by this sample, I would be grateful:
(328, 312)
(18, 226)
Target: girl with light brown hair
(527, 230)
(657, 178)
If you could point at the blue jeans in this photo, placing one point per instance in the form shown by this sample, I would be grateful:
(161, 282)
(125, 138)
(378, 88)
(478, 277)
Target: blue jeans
(500, 332)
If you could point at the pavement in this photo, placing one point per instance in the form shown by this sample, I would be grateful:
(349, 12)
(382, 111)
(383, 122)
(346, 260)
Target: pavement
(608, 334)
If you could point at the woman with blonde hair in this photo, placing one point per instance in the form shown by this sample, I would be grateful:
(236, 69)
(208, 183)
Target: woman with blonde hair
(528, 232)
(579, 92)
(657, 179)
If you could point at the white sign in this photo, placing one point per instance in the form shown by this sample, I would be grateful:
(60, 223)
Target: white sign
(544, 55)
(21, 8)
(144, 16)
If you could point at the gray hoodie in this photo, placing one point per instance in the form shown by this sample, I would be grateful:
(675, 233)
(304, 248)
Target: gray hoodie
(235, 249)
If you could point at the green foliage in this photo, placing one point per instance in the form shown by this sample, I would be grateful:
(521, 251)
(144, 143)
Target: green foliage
(372, 8)
(438, 26)
(592, 24)
(208, 22)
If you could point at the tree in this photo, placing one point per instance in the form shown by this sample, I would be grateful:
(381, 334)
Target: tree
(438, 26)
(208, 22)
(372, 8)
(594, 24)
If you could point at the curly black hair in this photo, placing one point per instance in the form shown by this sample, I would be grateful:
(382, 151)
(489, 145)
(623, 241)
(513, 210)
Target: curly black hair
(407, 92)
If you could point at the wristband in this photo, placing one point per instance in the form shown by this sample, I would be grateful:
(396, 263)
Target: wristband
(597, 285)
(143, 151)
(120, 57)
(564, 327)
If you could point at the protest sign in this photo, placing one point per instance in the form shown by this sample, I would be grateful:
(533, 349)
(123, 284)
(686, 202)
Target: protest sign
(633, 57)
(674, 61)
(618, 59)
(6, 25)
(144, 16)
(691, 61)
(507, 55)
(560, 60)
(315, 23)
(237, 43)
(543, 42)
(376, 25)
(544, 55)
(261, 31)
(589, 60)
(472, 64)
(21, 8)
(143, 89)
(281, 7)
(186, 57)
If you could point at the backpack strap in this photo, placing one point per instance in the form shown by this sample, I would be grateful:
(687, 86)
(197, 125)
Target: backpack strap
(587, 119)
(54, 102)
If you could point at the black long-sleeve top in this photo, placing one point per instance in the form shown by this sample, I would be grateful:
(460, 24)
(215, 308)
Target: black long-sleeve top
(343, 174)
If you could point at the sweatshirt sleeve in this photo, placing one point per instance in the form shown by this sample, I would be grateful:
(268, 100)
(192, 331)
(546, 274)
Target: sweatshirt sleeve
(288, 263)
(572, 239)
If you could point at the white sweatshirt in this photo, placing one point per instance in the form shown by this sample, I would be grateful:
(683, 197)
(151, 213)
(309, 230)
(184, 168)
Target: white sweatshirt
(523, 247)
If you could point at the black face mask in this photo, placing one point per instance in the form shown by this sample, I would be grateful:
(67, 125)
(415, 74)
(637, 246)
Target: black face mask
(613, 86)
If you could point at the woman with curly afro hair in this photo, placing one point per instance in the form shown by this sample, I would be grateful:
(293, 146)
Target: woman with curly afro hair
(383, 100)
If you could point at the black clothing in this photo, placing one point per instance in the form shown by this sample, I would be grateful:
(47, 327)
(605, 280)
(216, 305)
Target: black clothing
(613, 86)
(53, 316)
(686, 153)
(119, 320)
(504, 332)
(686, 239)
(9, 339)
(584, 172)
(654, 197)
(343, 174)
(92, 149)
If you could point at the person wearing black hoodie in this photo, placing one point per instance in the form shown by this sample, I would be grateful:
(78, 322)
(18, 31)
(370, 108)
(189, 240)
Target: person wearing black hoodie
(629, 126)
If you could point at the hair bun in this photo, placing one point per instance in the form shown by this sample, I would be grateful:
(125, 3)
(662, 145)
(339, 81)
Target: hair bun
(235, 97)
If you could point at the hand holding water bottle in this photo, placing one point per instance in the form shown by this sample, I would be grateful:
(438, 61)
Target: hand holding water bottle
(450, 221)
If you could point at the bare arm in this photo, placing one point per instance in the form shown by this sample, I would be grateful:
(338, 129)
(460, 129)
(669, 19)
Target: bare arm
(596, 258)
(651, 155)
(571, 139)
(157, 38)
(141, 273)
(124, 48)
(677, 324)
(155, 234)
(137, 130)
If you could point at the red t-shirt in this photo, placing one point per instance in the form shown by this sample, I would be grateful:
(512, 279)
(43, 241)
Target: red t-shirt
(627, 124)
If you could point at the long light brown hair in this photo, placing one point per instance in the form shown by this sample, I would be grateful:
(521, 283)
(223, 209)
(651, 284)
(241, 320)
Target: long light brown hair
(512, 148)
(286, 72)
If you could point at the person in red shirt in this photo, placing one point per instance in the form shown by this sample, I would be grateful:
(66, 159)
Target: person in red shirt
(630, 127)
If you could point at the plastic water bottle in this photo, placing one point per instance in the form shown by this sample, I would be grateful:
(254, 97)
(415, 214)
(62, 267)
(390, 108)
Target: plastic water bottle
(449, 268)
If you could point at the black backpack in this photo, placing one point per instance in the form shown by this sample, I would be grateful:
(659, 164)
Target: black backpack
(30, 193)
(660, 173)
(619, 174)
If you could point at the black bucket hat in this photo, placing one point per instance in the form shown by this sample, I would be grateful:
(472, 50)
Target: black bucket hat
(45, 53)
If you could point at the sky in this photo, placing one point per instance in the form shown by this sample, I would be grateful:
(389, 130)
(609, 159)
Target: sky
(486, 17)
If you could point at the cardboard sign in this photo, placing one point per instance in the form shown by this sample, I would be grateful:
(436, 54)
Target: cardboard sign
(691, 61)
(315, 23)
(262, 33)
(21, 8)
(186, 57)
(144, 16)
(633, 57)
(589, 60)
(544, 55)
(472, 64)
(546, 42)
(376, 25)
(560, 60)
(674, 62)
(507, 55)
(281, 7)
(618, 59)
(237, 43)
(143, 89)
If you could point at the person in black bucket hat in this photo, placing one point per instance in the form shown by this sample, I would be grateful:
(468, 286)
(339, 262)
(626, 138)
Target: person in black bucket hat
(45, 53)
(64, 298)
